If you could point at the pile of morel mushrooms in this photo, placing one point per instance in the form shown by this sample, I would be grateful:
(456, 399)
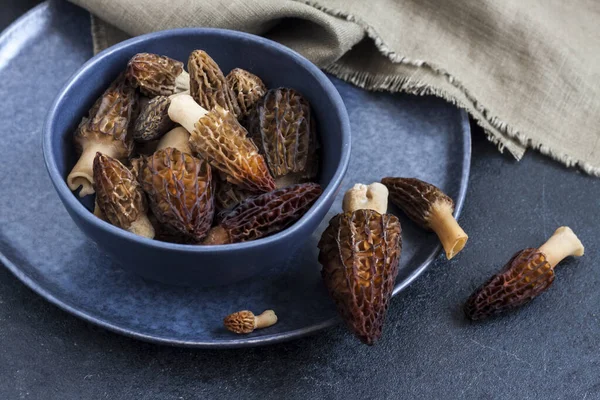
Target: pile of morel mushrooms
(199, 158)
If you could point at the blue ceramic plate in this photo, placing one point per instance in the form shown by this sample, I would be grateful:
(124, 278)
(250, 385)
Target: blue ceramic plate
(392, 135)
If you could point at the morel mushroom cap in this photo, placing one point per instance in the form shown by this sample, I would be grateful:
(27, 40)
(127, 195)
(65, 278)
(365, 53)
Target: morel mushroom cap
(104, 131)
(153, 119)
(119, 197)
(526, 275)
(179, 187)
(247, 88)
(265, 214)
(280, 125)
(429, 207)
(219, 138)
(246, 322)
(360, 251)
(157, 75)
(208, 85)
(228, 196)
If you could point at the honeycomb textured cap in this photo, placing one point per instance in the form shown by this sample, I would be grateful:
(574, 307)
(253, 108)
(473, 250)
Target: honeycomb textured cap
(153, 74)
(118, 194)
(280, 125)
(240, 322)
(108, 120)
(269, 213)
(208, 85)
(360, 252)
(416, 198)
(247, 88)
(220, 139)
(228, 195)
(179, 188)
(526, 275)
(153, 119)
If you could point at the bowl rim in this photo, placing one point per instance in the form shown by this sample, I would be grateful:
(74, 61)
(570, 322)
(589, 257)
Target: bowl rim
(71, 202)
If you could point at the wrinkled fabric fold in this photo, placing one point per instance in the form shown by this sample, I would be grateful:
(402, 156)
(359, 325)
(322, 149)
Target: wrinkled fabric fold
(527, 72)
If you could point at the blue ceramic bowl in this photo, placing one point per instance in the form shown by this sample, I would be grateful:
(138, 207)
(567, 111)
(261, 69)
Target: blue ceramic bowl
(188, 264)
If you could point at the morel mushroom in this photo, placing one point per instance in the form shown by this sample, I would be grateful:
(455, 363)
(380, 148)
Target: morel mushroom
(208, 85)
(429, 207)
(280, 125)
(247, 88)
(360, 252)
(104, 131)
(153, 119)
(177, 138)
(179, 187)
(264, 215)
(228, 196)
(219, 138)
(119, 197)
(246, 322)
(157, 75)
(528, 273)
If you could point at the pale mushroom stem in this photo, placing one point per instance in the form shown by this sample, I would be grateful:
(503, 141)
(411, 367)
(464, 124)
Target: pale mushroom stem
(82, 173)
(185, 111)
(182, 82)
(266, 319)
(142, 226)
(177, 138)
(563, 243)
(451, 235)
(366, 197)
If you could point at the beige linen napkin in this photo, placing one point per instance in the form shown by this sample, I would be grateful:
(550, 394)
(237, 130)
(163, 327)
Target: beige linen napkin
(528, 71)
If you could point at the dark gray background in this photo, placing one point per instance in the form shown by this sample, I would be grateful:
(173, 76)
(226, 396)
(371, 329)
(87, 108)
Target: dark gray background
(549, 349)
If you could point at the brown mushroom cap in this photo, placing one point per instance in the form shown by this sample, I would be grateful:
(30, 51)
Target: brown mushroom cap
(360, 252)
(179, 187)
(265, 214)
(280, 124)
(240, 322)
(154, 74)
(208, 85)
(153, 119)
(247, 87)
(118, 194)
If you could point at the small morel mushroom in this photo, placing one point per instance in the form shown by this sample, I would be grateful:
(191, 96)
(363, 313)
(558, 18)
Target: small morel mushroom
(265, 214)
(104, 131)
(119, 197)
(360, 252)
(219, 138)
(526, 275)
(153, 119)
(280, 125)
(157, 75)
(246, 322)
(208, 85)
(177, 138)
(247, 88)
(429, 207)
(179, 187)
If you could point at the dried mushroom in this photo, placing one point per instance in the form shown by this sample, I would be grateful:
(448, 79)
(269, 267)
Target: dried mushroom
(264, 215)
(119, 196)
(246, 322)
(247, 88)
(177, 138)
(104, 131)
(429, 207)
(157, 75)
(219, 138)
(179, 187)
(280, 125)
(208, 85)
(153, 119)
(360, 251)
(526, 275)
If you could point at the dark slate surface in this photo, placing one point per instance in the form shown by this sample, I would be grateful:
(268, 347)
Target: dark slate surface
(547, 350)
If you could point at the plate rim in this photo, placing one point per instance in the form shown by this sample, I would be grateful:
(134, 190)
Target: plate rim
(231, 343)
